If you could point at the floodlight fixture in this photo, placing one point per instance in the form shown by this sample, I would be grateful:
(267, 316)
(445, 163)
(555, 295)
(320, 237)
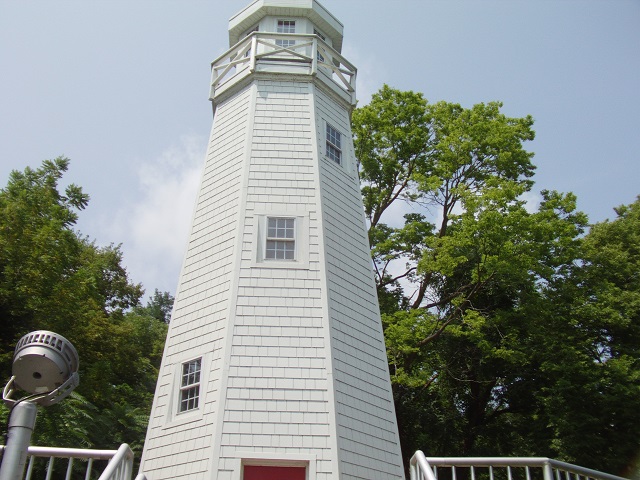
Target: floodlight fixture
(45, 367)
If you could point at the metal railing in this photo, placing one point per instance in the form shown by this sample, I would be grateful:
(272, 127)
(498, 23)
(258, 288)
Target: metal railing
(499, 468)
(306, 51)
(119, 466)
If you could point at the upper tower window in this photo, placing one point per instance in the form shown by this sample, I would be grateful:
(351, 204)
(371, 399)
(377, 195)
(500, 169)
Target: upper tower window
(316, 32)
(286, 26)
(334, 144)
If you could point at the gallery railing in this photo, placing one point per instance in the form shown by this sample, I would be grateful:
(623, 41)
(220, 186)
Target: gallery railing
(283, 53)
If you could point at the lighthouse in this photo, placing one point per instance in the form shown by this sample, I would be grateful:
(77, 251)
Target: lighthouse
(275, 365)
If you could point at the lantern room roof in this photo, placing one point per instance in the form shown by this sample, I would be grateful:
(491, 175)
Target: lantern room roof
(241, 22)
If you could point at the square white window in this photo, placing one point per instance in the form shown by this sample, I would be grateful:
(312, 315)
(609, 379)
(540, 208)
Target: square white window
(334, 144)
(190, 385)
(281, 239)
(286, 26)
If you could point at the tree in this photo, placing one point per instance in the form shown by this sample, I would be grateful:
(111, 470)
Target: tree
(160, 306)
(38, 249)
(52, 278)
(592, 369)
(468, 282)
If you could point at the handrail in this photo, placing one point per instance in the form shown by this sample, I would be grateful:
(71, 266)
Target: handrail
(121, 465)
(304, 50)
(425, 468)
(60, 452)
(419, 468)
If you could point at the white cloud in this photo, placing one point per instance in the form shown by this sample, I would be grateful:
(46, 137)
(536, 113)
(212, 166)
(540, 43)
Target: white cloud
(155, 229)
(532, 201)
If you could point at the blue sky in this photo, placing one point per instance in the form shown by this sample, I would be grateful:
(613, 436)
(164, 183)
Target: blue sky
(121, 88)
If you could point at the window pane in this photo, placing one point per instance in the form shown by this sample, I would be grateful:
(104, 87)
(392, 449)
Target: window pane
(281, 228)
(286, 26)
(333, 136)
(189, 398)
(333, 153)
(190, 373)
(280, 250)
(285, 43)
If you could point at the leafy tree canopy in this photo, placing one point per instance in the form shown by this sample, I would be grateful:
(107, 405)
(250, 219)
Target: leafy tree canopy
(52, 278)
(480, 292)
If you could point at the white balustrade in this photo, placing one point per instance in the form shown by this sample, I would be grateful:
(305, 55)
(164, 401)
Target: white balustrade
(500, 468)
(283, 53)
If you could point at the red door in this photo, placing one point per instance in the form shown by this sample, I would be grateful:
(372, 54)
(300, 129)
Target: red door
(259, 472)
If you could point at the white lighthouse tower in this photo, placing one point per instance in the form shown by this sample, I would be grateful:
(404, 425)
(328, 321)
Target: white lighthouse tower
(275, 365)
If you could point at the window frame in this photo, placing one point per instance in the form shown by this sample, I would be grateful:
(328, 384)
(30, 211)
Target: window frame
(190, 386)
(284, 43)
(300, 240)
(333, 150)
(288, 226)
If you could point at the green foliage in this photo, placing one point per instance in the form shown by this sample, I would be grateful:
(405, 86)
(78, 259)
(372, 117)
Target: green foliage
(160, 306)
(52, 278)
(508, 331)
(593, 382)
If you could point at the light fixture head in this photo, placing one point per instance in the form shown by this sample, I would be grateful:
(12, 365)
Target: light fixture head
(44, 361)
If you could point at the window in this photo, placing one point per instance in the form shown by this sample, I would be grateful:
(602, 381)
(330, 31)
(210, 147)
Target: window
(286, 26)
(190, 385)
(334, 148)
(254, 29)
(281, 239)
(316, 32)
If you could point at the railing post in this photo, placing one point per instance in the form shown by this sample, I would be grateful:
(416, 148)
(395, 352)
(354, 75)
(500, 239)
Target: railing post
(253, 52)
(547, 471)
(50, 468)
(69, 469)
(87, 475)
(314, 57)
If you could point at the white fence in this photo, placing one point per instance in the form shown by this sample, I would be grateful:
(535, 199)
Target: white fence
(499, 468)
(45, 462)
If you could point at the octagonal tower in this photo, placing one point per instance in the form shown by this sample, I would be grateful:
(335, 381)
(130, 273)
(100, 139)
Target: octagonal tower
(275, 363)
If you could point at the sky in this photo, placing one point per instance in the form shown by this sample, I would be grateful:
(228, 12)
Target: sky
(121, 88)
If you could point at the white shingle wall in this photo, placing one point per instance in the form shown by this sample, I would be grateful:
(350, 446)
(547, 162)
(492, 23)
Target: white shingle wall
(277, 399)
(179, 446)
(268, 326)
(367, 430)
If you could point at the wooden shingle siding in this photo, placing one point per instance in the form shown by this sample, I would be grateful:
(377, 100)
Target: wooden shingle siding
(276, 398)
(367, 432)
(294, 352)
(198, 324)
